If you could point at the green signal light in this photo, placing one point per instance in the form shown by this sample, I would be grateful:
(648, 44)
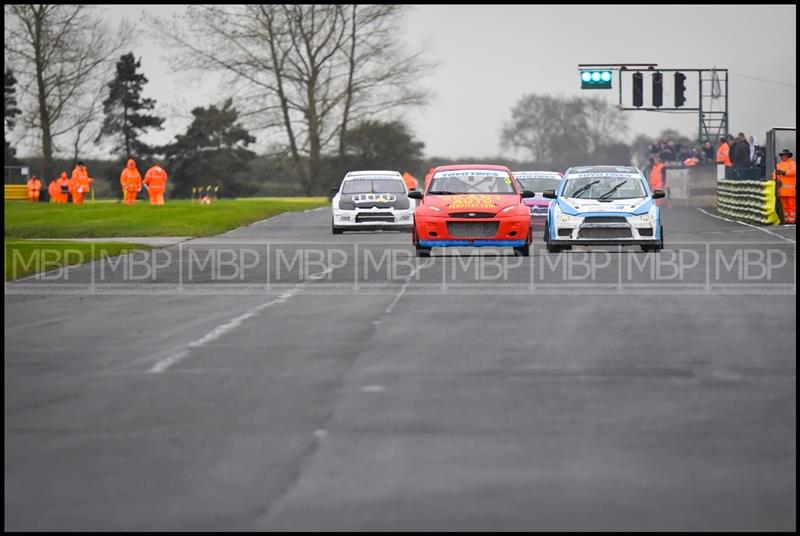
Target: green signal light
(596, 79)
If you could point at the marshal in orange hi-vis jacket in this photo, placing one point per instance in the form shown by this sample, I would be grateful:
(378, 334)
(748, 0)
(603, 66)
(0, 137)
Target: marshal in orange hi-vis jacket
(62, 188)
(34, 188)
(156, 182)
(786, 172)
(81, 183)
(131, 182)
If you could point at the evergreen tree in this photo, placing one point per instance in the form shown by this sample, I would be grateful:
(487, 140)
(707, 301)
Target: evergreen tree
(383, 145)
(211, 151)
(11, 111)
(124, 110)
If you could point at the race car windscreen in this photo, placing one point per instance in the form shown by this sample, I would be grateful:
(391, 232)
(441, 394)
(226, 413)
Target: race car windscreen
(604, 186)
(469, 181)
(379, 186)
(538, 184)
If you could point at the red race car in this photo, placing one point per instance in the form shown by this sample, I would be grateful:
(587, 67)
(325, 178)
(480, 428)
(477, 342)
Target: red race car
(472, 205)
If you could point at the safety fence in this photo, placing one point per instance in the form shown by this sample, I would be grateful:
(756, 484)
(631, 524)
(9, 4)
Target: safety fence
(15, 192)
(691, 186)
(752, 201)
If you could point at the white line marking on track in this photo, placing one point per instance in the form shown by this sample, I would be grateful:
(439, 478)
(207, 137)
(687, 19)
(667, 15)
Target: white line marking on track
(747, 224)
(221, 330)
(396, 299)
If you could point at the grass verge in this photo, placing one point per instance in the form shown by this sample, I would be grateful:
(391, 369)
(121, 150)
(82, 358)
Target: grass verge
(176, 218)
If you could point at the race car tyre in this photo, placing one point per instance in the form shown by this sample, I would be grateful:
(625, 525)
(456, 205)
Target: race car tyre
(658, 247)
(523, 251)
(557, 249)
(335, 230)
(423, 252)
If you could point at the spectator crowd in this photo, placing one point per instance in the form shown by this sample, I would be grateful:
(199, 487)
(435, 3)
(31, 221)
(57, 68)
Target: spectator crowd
(742, 156)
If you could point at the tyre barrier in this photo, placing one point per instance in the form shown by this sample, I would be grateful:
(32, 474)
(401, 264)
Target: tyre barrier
(752, 201)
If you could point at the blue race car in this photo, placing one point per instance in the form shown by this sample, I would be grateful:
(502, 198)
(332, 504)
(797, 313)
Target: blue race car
(603, 205)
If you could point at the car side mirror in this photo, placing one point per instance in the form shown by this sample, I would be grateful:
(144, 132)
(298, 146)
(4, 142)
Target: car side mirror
(415, 194)
(335, 190)
(526, 194)
(658, 194)
(549, 194)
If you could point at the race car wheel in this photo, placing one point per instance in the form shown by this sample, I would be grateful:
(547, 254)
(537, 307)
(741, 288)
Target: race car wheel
(658, 247)
(423, 252)
(557, 249)
(523, 251)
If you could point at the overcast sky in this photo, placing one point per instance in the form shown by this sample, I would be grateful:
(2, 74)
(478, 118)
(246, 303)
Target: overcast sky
(489, 56)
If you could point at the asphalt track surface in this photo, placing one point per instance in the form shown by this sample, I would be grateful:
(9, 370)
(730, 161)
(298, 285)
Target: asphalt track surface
(436, 396)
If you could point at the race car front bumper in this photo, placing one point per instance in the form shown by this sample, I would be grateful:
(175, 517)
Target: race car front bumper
(473, 232)
(373, 219)
(579, 233)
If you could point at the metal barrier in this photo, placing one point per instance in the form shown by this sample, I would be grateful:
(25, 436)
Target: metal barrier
(694, 186)
(752, 201)
(15, 192)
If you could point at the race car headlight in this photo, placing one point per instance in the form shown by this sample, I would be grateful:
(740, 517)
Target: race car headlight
(642, 219)
(567, 218)
(434, 208)
(508, 209)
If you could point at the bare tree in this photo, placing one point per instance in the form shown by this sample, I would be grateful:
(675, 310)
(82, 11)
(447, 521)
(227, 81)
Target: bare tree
(558, 132)
(308, 70)
(87, 120)
(58, 51)
(379, 75)
(605, 122)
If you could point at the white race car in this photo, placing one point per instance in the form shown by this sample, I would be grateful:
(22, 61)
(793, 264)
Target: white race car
(604, 205)
(370, 200)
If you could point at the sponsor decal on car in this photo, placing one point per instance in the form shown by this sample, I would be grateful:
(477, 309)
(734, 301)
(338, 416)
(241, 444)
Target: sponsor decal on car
(374, 198)
(603, 175)
(470, 173)
(470, 201)
(540, 175)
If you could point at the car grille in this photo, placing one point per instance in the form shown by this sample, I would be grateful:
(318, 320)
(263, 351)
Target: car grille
(605, 232)
(539, 211)
(365, 217)
(646, 232)
(565, 233)
(472, 229)
(605, 219)
(472, 214)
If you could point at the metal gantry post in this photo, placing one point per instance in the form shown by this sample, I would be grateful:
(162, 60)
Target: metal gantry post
(725, 117)
(700, 116)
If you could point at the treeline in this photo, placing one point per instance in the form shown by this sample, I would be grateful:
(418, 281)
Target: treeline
(316, 81)
(310, 78)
